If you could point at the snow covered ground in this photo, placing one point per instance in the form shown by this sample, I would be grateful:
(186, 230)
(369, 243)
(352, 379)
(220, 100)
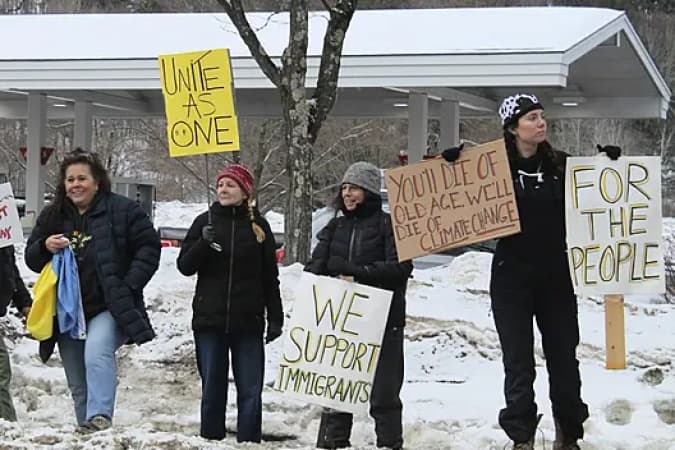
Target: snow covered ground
(451, 396)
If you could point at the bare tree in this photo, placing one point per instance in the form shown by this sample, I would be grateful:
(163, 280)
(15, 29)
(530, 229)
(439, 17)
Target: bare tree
(303, 115)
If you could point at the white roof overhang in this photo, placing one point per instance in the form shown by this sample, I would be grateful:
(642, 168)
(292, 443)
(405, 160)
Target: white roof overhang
(585, 56)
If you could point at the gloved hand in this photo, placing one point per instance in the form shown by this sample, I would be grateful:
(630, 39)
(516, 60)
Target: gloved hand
(337, 265)
(452, 154)
(273, 332)
(209, 233)
(612, 151)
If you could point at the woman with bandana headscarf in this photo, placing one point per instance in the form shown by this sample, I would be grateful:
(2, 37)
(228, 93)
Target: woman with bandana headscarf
(531, 279)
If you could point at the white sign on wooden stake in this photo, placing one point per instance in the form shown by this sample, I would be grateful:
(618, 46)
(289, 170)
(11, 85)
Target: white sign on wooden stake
(613, 218)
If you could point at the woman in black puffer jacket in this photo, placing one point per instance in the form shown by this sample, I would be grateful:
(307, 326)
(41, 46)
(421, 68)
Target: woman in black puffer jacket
(360, 243)
(117, 251)
(232, 251)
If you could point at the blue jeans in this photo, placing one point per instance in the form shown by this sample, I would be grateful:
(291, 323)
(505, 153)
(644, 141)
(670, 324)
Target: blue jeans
(248, 366)
(91, 368)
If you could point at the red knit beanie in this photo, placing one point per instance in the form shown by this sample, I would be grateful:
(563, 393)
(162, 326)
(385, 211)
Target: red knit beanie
(239, 173)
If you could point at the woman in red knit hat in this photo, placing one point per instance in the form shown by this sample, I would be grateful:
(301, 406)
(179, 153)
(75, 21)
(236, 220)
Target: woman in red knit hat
(237, 294)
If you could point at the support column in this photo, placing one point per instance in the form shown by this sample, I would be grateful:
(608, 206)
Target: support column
(418, 124)
(449, 124)
(35, 172)
(83, 125)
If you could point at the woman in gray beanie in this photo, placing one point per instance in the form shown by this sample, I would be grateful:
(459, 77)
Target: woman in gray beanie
(360, 243)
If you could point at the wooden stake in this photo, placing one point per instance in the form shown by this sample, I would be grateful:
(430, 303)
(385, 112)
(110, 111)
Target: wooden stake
(615, 336)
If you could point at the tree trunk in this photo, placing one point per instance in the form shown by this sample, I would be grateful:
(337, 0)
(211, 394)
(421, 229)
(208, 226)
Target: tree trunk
(298, 217)
(303, 117)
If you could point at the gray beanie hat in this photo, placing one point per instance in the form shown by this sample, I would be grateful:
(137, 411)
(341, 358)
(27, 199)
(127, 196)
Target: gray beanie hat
(364, 175)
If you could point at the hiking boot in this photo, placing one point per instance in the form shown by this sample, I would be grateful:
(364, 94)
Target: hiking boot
(96, 423)
(529, 445)
(560, 442)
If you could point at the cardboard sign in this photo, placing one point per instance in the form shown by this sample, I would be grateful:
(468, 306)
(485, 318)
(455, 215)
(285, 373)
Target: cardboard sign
(436, 205)
(613, 219)
(199, 99)
(10, 225)
(333, 343)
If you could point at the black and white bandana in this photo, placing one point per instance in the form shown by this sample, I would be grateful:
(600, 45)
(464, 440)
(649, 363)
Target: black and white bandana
(517, 105)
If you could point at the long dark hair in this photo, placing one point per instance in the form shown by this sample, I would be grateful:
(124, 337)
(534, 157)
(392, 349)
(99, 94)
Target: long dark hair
(98, 172)
(552, 163)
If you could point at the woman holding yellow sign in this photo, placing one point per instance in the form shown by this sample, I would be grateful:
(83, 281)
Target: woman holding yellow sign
(237, 294)
(531, 279)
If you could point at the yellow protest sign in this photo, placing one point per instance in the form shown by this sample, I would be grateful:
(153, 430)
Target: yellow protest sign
(199, 99)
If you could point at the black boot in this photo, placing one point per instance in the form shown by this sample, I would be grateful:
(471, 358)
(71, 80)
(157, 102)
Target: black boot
(334, 430)
(560, 442)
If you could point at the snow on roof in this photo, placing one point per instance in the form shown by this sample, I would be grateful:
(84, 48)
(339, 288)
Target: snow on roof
(372, 32)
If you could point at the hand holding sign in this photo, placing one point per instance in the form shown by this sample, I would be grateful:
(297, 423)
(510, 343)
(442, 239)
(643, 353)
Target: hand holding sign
(612, 151)
(452, 154)
(340, 266)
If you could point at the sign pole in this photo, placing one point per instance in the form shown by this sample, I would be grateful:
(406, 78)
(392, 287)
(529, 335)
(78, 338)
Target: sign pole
(213, 245)
(615, 336)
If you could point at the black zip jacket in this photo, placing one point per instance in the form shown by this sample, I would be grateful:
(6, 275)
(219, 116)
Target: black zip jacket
(365, 237)
(236, 286)
(12, 288)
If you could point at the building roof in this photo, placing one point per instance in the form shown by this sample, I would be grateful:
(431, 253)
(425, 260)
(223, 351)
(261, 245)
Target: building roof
(372, 32)
(590, 57)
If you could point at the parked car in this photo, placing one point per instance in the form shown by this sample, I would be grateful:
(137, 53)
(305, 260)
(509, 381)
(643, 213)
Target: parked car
(446, 256)
(174, 237)
(171, 236)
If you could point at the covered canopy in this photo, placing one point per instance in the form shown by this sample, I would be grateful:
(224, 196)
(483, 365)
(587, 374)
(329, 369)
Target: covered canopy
(414, 64)
(589, 59)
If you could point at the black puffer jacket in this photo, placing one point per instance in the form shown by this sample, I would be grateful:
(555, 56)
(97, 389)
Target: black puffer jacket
(12, 288)
(126, 249)
(365, 237)
(238, 284)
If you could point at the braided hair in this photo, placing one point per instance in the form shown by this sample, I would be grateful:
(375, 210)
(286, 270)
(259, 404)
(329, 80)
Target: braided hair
(257, 229)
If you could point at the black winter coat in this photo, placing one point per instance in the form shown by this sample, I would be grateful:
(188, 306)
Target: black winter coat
(126, 248)
(541, 244)
(12, 288)
(238, 284)
(365, 237)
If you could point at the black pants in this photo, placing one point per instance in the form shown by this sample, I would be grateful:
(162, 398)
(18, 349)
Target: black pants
(520, 292)
(385, 404)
